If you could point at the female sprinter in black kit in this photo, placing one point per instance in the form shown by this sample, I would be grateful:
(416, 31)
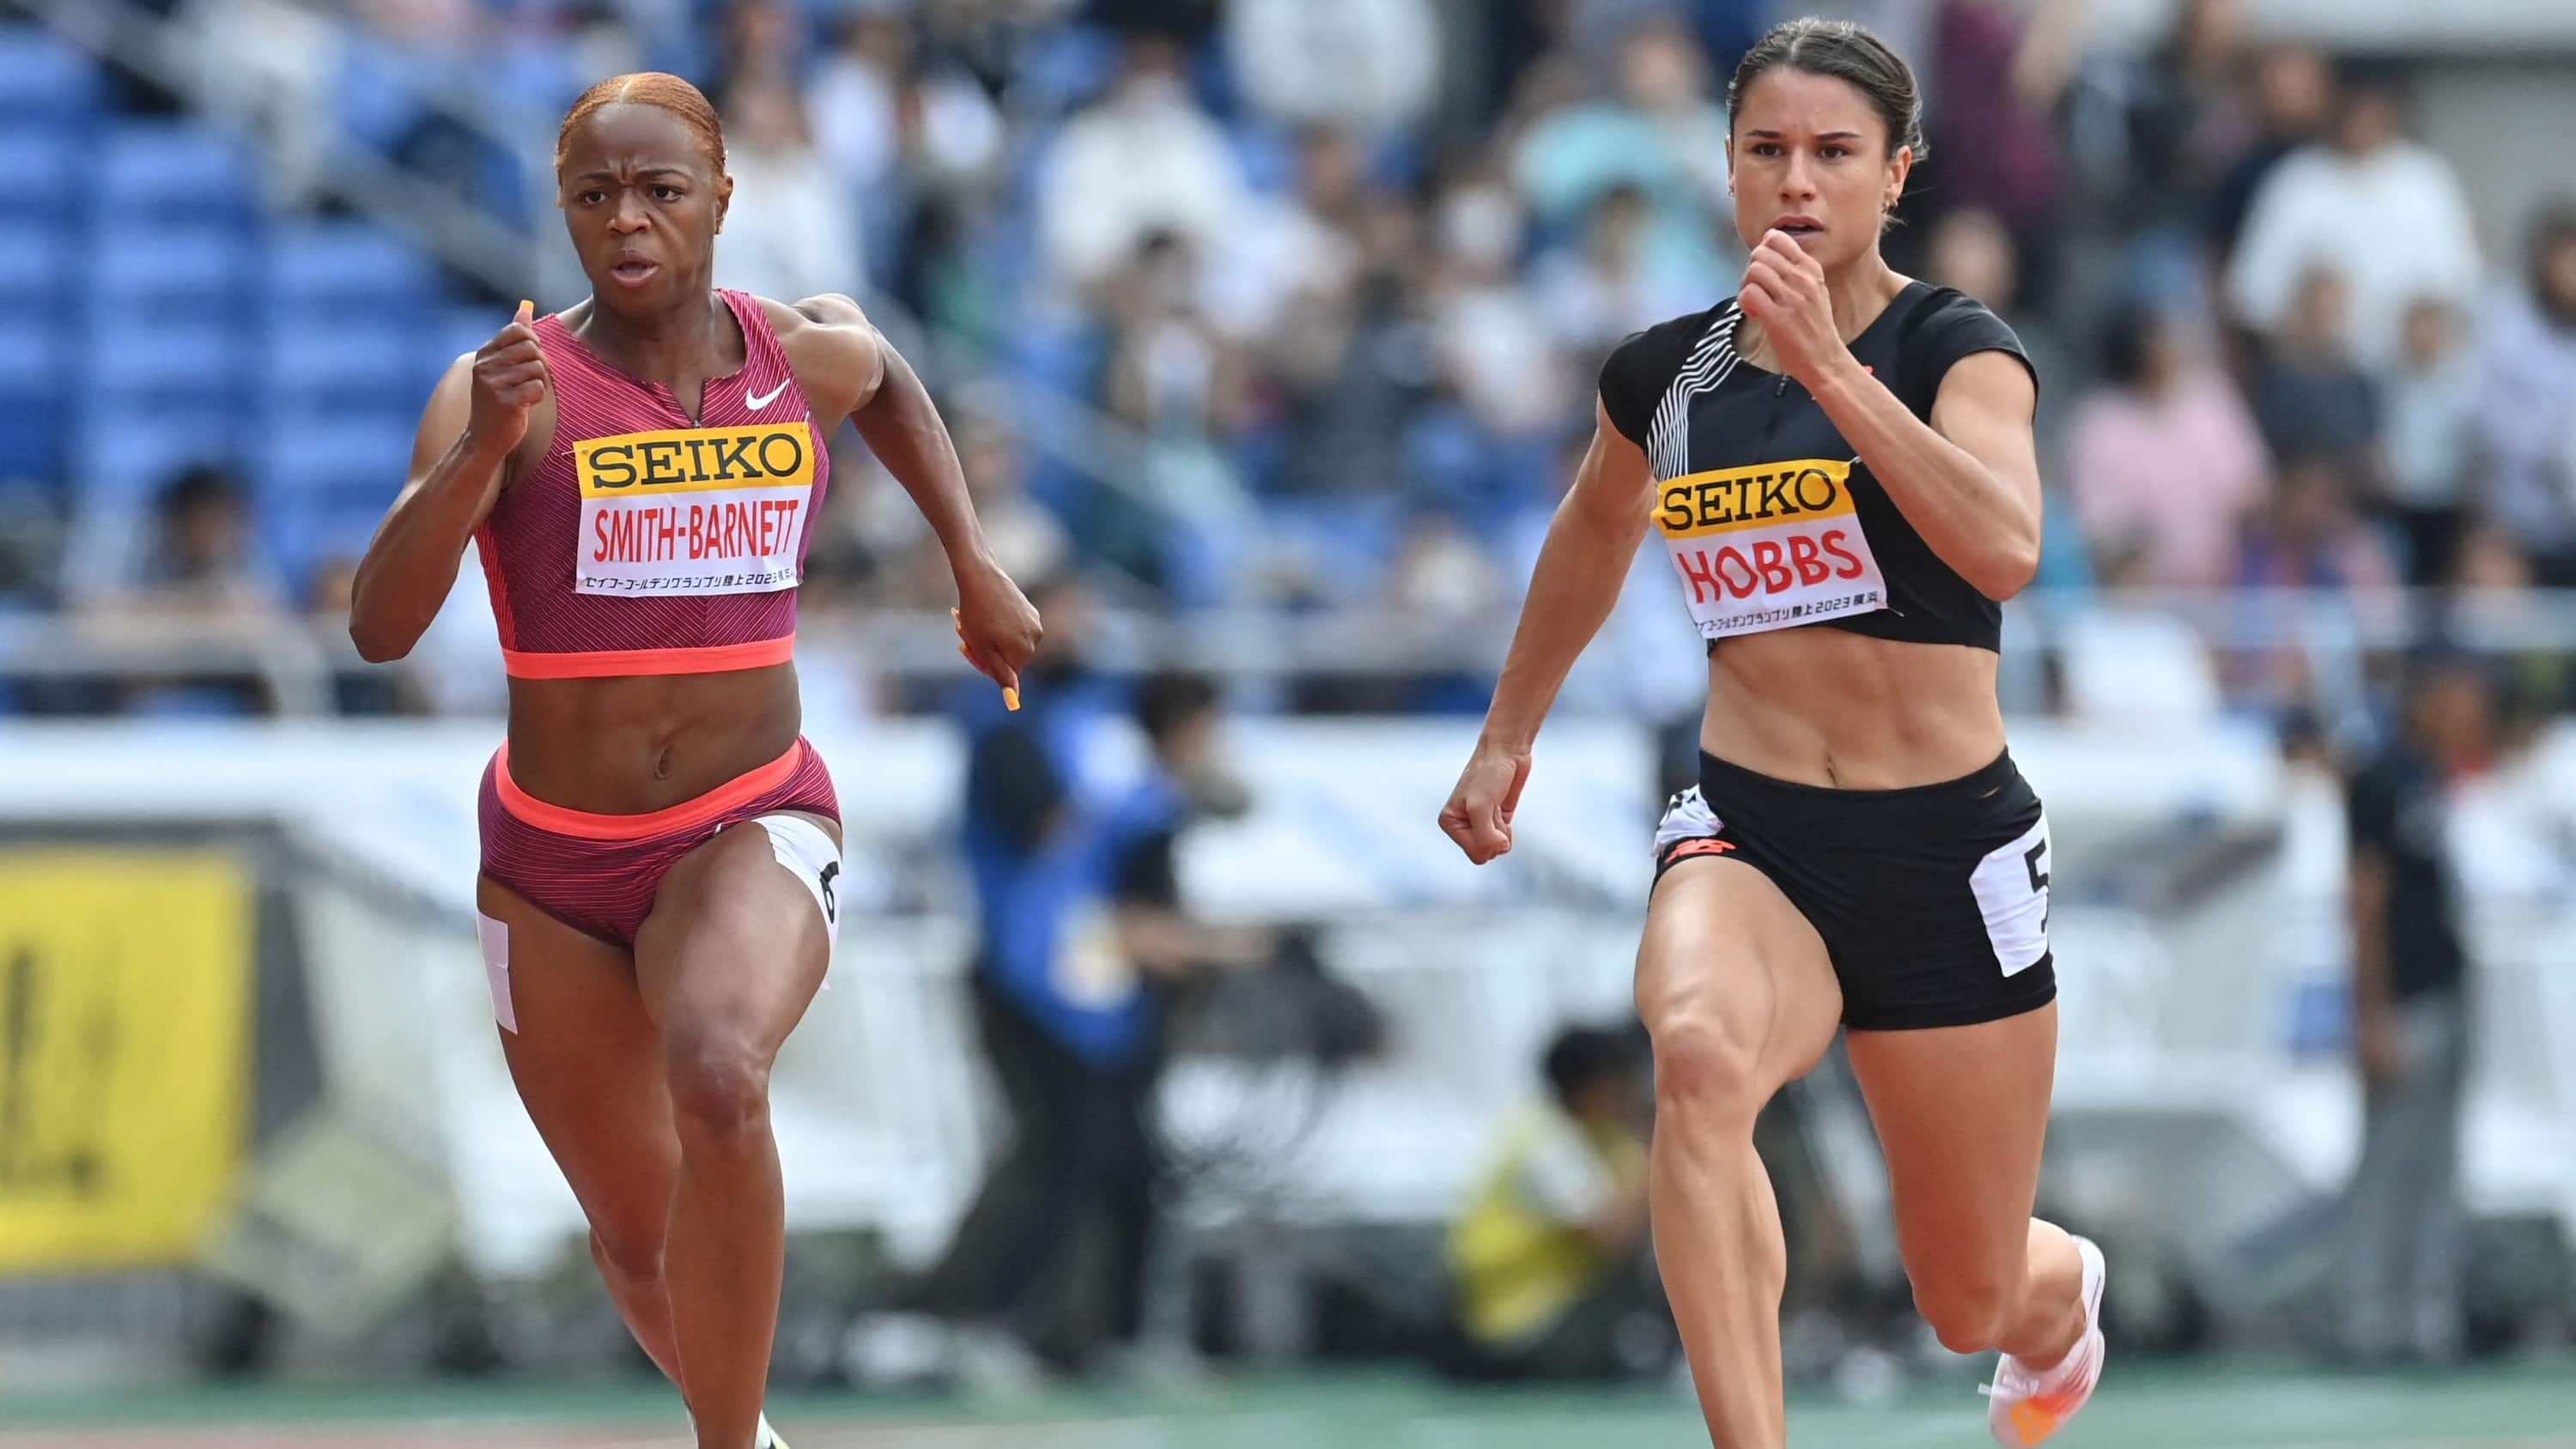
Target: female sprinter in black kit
(1839, 460)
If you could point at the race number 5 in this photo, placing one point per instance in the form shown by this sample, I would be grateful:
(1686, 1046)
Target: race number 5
(2011, 886)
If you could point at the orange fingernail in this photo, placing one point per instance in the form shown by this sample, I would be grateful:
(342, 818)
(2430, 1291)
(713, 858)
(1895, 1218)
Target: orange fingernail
(1011, 699)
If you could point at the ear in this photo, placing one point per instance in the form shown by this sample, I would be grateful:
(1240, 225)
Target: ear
(724, 201)
(1730, 163)
(1899, 167)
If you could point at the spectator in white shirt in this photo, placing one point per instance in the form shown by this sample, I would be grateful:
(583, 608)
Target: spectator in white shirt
(2528, 422)
(1370, 65)
(1141, 160)
(793, 228)
(2381, 211)
(2431, 421)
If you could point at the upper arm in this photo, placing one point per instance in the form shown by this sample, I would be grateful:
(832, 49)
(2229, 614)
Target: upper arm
(838, 354)
(1984, 406)
(1615, 486)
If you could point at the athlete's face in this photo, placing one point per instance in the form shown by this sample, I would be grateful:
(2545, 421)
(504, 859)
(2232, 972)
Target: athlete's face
(644, 202)
(1809, 156)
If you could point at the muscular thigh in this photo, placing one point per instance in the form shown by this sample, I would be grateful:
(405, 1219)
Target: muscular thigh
(587, 1063)
(1726, 960)
(1961, 1113)
(735, 947)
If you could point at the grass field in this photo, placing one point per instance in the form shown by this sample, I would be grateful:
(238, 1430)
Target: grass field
(2165, 1406)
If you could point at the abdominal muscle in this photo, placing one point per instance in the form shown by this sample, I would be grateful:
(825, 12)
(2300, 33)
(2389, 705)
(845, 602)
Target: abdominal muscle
(1826, 707)
(630, 745)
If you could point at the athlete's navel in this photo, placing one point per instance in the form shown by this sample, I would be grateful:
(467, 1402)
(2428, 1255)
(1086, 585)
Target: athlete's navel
(662, 764)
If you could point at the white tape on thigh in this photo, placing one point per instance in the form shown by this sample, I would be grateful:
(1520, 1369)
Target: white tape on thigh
(494, 936)
(809, 855)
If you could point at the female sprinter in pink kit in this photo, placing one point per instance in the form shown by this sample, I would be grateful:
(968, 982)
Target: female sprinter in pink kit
(1838, 461)
(640, 475)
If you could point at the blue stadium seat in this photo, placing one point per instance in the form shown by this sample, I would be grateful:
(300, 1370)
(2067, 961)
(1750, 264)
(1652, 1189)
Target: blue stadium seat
(35, 374)
(46, 79)
(33, 361)
(358, 457)
(46, 171)
(540, 73)
(35, 265)
(177, 363)
(460, 330)
(130, 453)
(376, 97)
(363, 364)
(173, 171)
(344, 264)
(177, 272)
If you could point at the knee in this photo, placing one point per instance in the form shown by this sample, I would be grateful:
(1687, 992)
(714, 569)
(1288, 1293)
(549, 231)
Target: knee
(635, 1257)
(1704, 1069)
(1969, 1314)
(719, 1088)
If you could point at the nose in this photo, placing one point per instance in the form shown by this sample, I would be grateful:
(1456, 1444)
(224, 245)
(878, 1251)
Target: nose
(629, 218)
(1797, 178)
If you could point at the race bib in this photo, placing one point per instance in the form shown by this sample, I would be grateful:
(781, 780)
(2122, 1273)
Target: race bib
(1769, 547)
(693, 510)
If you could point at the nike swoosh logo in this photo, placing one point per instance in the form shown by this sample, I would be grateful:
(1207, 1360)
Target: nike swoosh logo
(760, 400)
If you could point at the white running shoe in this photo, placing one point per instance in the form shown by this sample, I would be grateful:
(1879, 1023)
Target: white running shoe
(2024, 1408)
(768, 1436)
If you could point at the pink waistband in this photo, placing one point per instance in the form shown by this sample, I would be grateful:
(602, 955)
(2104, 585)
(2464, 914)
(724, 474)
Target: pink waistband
(731, 795)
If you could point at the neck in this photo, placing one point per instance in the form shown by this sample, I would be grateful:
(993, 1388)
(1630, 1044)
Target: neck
(665, 344)
(1860, 291)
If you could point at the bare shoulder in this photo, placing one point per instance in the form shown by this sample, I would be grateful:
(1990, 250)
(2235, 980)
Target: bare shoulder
(834, 349)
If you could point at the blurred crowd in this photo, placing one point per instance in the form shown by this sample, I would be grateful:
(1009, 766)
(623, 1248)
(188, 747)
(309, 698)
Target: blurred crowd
(1335, 278)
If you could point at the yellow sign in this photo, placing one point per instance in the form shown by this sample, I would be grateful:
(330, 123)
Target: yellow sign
(681, 460)
(124, 1036)
(1762, 496)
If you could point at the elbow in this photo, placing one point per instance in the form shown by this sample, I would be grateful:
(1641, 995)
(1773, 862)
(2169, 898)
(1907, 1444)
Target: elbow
(2008, 572)
(376, 643)
(376, 650)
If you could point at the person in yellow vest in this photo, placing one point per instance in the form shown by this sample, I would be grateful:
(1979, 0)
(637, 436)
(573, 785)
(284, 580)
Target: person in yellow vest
(1550, 1265)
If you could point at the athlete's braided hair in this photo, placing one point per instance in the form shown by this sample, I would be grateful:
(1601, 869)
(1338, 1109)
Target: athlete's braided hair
(648, 88)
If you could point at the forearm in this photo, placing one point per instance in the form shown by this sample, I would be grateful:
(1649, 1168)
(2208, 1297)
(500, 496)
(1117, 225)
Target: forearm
(1974, 520)
(1572, 591)
(1164, 942)
(904, 430)
(411, 564)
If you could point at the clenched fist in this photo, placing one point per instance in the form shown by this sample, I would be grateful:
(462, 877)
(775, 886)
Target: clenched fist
(510, 379)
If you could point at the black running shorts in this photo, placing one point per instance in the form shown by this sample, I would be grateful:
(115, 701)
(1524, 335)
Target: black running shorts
(1932, 901)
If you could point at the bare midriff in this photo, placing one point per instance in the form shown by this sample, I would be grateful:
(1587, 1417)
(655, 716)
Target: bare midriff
(1830, 708)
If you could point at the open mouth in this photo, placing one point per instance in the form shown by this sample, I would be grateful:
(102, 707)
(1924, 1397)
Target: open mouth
(634, 271)
(1799, 226)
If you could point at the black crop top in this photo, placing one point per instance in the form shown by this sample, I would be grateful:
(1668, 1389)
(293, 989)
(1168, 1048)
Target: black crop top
(1771, 520)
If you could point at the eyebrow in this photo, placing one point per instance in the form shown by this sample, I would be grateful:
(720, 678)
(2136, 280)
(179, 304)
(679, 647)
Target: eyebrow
(1826, 136)
(647, 171)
